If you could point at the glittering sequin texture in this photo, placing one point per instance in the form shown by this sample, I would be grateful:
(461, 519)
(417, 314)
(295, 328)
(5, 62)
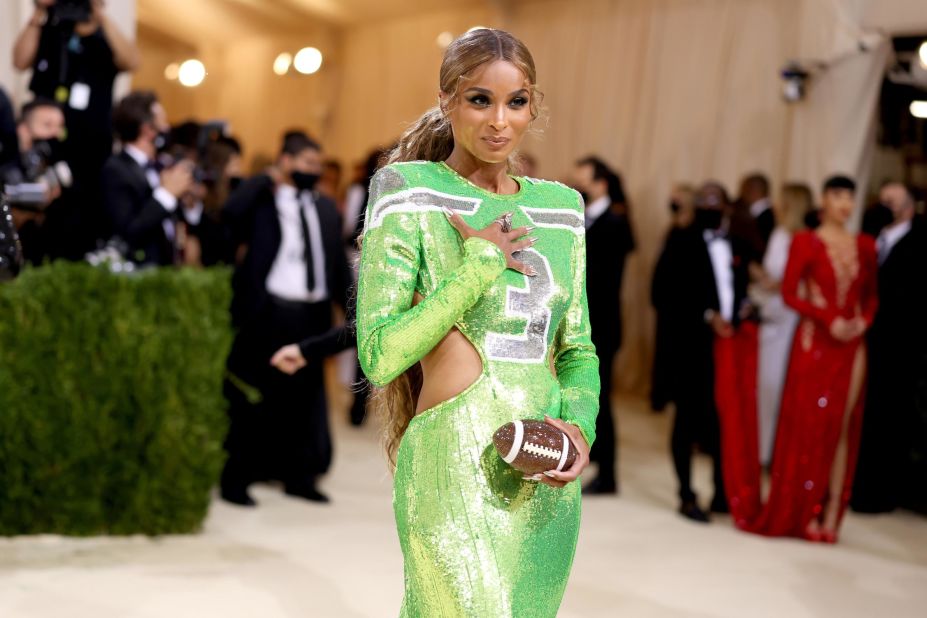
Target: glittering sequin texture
(478, 540)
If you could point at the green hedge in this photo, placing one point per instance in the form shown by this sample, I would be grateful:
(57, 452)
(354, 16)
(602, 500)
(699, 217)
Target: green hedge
(111, 409)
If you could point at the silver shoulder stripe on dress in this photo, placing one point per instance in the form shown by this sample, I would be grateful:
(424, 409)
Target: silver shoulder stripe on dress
(563, 218)
(420, 199)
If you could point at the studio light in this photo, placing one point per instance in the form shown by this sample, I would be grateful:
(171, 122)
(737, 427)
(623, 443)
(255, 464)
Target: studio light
(172, 71)
(308, 60)
(919, 109)
(192, 73)
(922, 52)
(282, 63)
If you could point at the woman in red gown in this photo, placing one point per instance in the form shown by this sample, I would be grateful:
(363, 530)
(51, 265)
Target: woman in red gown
(831, 281)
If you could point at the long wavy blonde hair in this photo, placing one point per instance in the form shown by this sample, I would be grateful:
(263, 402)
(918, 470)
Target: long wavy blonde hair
(430, 139)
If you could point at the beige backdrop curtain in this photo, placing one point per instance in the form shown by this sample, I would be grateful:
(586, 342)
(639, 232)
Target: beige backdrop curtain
(686, 90)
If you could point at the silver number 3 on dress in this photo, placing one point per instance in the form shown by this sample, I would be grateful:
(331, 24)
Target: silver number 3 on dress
(529, 303)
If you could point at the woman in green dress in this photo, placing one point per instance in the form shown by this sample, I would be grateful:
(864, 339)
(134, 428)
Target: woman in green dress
(471, 312)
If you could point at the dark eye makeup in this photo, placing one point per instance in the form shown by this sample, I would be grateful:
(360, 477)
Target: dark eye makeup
(481, 100)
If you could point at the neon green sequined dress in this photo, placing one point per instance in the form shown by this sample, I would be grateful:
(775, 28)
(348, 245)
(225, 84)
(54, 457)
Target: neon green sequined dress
(478, 540)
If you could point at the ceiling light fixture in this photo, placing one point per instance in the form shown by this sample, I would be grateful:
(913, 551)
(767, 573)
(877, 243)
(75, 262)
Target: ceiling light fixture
(192, 73)
(282, 63)
(308, 60)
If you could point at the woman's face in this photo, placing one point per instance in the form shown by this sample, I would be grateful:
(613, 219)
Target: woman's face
(837, 206)
(492, 111)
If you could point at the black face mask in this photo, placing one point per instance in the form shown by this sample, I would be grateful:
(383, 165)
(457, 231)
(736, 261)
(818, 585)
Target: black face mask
(305, 182)
(708, 218)
(234, 182)
(48, 149)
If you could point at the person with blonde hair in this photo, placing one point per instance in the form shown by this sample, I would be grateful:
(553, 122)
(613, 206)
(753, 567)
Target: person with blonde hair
(778, 320)
(465, 323)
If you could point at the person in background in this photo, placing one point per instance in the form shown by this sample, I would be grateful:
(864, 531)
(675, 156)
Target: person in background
(609, 240)
(879, 215)
(330, 182)
(141, 202)
(699, 291)
(682, 204)
(754, 206)
(39, 131)
(355, 206)
(682, 212)
(892, 471)
(75, 59)
(831, 281)
(293, 270)
(221, 167)
(778, 321)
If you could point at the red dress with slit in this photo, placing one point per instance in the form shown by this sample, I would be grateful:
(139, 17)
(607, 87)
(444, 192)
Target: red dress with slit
(821, 283)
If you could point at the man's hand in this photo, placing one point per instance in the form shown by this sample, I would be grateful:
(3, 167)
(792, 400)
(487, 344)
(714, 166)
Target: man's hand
(721, 326)
(178, 179)
(289, 359)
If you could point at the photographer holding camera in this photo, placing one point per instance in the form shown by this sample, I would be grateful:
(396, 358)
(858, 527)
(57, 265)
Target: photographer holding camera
(142, 202)
(34, 178)
(75, 51)
(10, 251)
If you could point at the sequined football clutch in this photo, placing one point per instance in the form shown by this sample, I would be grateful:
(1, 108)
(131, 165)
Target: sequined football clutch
(533, 447)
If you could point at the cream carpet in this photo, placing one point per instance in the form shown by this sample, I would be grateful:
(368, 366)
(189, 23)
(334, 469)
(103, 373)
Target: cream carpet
(636, 557)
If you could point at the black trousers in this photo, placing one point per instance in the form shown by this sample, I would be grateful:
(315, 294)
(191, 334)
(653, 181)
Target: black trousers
(605, 449)
(696, 422)
(285, 435)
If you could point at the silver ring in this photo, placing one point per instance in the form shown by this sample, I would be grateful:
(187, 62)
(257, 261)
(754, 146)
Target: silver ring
(505, 222)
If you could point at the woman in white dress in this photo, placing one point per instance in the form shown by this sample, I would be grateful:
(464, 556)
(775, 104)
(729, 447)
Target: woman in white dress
(778, 320)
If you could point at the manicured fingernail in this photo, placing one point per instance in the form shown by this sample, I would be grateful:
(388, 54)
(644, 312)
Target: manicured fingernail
(529, 477)
(447, 211)
(531, 272)
(532, 240)
(530, 229)
(550, 474)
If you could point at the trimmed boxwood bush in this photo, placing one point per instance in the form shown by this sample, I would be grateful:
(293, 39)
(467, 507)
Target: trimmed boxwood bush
(111, 409)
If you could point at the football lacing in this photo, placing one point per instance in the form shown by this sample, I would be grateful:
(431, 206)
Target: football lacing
(542, 451)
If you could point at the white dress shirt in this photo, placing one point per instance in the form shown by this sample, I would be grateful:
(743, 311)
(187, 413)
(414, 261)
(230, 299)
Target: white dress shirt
(722, 262)
(596, 209)
(288, 276)
(759, 207)
(889, 237)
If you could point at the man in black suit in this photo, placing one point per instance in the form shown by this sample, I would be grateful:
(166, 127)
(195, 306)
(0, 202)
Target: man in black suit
(142, 203)
(891, 471)
(608, 242)
(699, 291)
(754, 219)
(293, 270)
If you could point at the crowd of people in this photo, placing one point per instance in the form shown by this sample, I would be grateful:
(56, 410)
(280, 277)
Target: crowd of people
(788, 343)
(777, 285)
